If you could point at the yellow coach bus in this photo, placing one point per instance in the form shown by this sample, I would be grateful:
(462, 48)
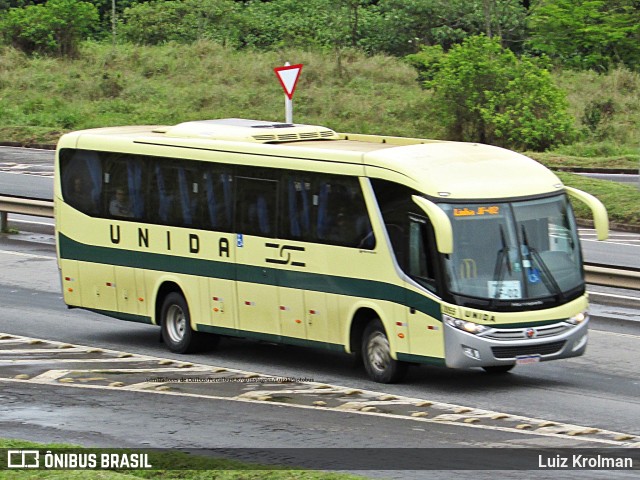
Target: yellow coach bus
(401, 250)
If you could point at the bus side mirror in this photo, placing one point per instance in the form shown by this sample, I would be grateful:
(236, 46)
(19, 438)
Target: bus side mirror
(440, 221)
(600, 217)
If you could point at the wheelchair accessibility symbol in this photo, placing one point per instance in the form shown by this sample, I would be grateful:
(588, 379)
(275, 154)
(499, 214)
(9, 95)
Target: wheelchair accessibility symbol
(533, 275)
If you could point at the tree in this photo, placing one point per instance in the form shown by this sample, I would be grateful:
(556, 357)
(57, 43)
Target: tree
(590, 34)
(182, 21)
(7, 4)
(105, 10)
(56, 27)
(482, 92)
(402, 27)
(312, 23)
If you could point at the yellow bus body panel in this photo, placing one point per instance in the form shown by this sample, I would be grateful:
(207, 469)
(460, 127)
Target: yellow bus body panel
(119, 267)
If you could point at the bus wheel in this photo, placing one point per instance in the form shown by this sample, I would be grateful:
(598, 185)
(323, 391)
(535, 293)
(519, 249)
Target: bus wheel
(176, 325)
(376, 354)
(498, 369)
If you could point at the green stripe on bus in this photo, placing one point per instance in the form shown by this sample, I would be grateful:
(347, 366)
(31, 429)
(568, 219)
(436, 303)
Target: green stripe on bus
(234, 332)
(355, 287)
(406, 357)
(130, 317)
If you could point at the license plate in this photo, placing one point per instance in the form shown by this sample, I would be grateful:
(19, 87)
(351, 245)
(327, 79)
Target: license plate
(527, 359)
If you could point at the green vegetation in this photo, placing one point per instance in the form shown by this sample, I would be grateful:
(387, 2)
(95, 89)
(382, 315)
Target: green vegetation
(174, 466)
(43, 97)
(183, 21)
(554, 75)
(606, 107)
(483, 93)
(56, 27)
(477, 60)
(621, 200)
(592, 34)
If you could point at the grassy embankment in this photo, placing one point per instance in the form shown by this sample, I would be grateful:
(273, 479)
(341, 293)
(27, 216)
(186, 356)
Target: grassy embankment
(40, 98)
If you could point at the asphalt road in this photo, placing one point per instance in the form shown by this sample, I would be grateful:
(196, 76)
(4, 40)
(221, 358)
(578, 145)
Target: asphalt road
(618, 177)
(37, 163)
(600, 390)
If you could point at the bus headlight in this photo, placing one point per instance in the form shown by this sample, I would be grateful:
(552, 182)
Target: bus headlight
(579, 318)
(464, 325)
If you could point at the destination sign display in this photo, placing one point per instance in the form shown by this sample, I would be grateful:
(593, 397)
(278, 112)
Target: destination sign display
(476, 211)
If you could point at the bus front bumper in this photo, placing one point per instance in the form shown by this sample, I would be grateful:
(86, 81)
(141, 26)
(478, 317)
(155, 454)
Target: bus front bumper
(514, 345)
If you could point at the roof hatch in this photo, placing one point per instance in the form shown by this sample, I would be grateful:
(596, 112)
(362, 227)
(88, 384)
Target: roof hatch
(238, 129)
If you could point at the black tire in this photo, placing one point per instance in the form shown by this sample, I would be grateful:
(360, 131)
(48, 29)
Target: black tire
(177, 333)
(498, 369)
(376, 355)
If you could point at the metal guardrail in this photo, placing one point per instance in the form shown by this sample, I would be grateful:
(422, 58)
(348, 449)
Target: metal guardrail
(23, 206)
(597, 274)
(608, 276)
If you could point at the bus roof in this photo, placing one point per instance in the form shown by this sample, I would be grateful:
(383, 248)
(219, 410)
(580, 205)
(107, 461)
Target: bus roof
(444, 169)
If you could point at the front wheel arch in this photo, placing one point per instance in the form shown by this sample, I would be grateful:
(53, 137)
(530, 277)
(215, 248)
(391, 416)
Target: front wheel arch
(165, 289)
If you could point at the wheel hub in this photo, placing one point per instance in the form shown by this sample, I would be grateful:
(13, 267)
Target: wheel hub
(379, 352)
(176, 323)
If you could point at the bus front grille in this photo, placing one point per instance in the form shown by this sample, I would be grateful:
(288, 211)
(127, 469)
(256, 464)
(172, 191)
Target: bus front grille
(520, 333)
(540, 349)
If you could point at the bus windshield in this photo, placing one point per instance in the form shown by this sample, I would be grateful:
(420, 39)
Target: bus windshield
(515, 252)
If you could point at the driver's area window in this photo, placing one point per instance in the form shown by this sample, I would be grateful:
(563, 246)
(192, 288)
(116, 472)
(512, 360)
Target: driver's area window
(410, 234)
(421, 262)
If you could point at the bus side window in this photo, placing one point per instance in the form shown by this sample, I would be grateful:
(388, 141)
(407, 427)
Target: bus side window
(297, 204)
(176, 193)
(256, 206)
(81, 173)
(322, 221)
(189, 197)
(395, 202)
(163, 197)
(411, 236)
(124, 187)
(218, 196)
(342, 214)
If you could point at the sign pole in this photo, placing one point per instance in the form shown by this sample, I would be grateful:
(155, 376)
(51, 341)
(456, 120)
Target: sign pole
(288, 110)
(288, 104)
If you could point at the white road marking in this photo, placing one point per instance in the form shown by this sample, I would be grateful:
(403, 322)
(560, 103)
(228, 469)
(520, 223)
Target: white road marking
(29, 255)
(612, 295)
(46, 224)
(362, 402)
(447, 421)
(27, 351)
(609, 241)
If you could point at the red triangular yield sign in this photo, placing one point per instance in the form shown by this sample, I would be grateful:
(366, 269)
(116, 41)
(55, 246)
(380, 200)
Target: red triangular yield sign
(288, 77)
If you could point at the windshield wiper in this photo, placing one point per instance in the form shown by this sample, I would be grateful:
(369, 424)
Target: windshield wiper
(498, 271)
(547, 278)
